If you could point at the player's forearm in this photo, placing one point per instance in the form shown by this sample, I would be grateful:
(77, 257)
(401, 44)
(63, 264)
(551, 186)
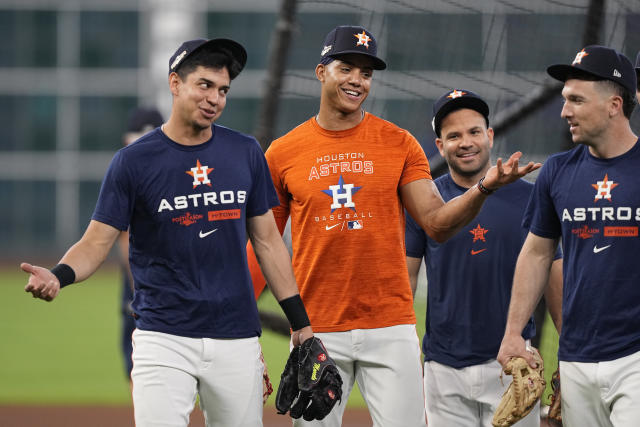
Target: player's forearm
(438, 219)
(85, 256)
(445, 221)
(529, 282)
(272, 255)
(276, 267)
(258, 279)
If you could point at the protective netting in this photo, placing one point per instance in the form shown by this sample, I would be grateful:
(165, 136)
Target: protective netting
(497, 48)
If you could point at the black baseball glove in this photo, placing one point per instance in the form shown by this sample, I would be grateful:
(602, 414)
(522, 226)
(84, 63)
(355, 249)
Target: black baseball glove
(310, 385)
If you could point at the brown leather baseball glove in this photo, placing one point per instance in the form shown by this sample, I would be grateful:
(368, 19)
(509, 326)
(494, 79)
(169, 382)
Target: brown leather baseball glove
(523, 392)
(555, 412)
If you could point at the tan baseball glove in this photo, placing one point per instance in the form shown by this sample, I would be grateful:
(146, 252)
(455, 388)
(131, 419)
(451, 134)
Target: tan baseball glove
(555, 412)
(523, 392)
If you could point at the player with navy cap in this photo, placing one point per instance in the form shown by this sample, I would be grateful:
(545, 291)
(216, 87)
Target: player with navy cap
(589, 197)
(469, 276)
(343, 177)
(190, 192)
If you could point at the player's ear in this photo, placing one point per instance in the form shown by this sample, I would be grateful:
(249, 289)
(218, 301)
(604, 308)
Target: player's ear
(490, 136)
(174, 82)
(615, 105)
(439, 144)
(320, 70)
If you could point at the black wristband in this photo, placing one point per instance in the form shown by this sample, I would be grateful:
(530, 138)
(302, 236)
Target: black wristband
(65, 274)
(296, 313)
(482, 188)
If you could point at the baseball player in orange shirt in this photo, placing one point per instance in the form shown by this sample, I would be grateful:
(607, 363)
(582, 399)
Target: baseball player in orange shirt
(344, 177)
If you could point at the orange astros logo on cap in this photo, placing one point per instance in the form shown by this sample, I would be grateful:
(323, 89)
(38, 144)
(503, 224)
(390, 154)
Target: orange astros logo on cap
(456, 94)
(363, 39)
(579, 57)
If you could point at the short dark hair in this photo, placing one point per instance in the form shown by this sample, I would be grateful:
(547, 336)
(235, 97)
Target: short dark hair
(217, 59)
(628, 98)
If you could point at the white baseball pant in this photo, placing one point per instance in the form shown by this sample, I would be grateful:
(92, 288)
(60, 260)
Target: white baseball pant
(169, 371)
(601, 394)
(386, 364)
(467, 396)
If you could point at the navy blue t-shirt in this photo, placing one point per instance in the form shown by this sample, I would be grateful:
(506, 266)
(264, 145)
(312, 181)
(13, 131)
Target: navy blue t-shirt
(470, 277)
(594, 205)
(186, 209)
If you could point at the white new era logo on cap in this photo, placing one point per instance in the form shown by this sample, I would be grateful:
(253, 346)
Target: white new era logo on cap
(178, 59)
(616, 73)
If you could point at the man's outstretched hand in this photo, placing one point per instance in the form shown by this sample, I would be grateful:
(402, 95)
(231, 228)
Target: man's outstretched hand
(42, 283)
(505, 173)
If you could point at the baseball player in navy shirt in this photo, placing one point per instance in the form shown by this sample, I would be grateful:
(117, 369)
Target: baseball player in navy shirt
(190, 192)
(469, 276)
(590, 198)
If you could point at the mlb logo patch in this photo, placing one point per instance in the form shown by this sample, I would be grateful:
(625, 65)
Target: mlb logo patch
(354, 225)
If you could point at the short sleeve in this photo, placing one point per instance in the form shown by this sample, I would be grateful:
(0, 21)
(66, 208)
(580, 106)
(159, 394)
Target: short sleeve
(540, 215)
(263, 195)
(282, 210)
(416, 165)
(116, 199)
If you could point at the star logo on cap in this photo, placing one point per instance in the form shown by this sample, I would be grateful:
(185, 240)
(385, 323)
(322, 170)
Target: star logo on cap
(363, 39)
(456, 94)
(579, 57)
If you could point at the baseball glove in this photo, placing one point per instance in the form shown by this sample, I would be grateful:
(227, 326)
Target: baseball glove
(523, 392)
(555, 412)
(310, 385)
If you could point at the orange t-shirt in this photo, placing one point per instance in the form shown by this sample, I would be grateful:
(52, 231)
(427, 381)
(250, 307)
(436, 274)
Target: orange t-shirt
(341, 189)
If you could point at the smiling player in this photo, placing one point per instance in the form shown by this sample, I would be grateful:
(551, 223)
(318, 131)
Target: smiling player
(469, 276)
(344, 177)
(190, 192)
(599, 349)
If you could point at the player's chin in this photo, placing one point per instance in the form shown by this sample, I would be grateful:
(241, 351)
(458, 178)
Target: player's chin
(203, 123)
(352, 107)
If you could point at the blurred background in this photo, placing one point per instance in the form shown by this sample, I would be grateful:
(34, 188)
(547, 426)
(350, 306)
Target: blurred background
(72, 70)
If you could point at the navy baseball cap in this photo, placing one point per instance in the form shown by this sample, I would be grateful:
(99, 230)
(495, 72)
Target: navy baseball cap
(456, 100)
(186, 49)
(351, 39)
(638, 66)
(141, 119)
(599, 61)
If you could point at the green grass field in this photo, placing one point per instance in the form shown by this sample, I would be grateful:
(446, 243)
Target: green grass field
(67, 352)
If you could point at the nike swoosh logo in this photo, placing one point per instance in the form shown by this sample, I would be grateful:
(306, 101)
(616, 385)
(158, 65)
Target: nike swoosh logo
(326, 227)
(477, 252)
(596, 249)
(203, 235)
